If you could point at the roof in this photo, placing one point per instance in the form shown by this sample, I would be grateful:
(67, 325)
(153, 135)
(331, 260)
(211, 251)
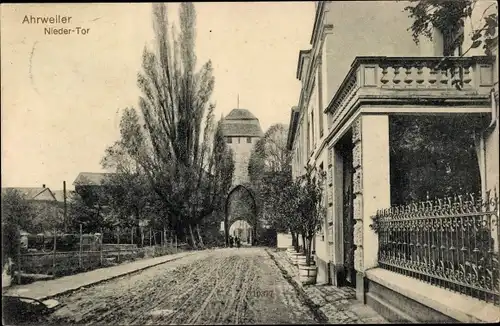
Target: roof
(241, 123)
(303, 54)
(240, 114)
(33, 193)
(91, 178)
(292, 126)
(319, 5)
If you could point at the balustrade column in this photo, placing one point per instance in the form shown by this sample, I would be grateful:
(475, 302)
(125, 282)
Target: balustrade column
(371, 187)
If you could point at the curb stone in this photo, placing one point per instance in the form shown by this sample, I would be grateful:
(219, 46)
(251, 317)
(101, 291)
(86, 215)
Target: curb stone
(315, 309)
(344, 308)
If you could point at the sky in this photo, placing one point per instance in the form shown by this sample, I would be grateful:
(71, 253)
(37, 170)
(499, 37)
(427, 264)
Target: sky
(62, 94)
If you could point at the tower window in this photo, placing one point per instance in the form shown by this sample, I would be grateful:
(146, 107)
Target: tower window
(249, 140)
(229, 140)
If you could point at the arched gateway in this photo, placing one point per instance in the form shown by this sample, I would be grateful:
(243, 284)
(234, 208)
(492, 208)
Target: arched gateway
(251, 218)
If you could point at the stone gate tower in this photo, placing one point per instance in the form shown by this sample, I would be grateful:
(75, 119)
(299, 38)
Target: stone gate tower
(241, 130)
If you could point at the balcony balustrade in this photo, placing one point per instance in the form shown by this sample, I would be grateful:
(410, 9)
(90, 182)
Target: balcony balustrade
(412, 80)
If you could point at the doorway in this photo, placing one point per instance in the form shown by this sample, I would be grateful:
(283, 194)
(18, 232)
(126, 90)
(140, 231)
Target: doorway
(345, 147)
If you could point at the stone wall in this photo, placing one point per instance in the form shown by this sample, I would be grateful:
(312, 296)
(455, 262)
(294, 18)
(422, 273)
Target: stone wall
(241, 153)
(285, 240)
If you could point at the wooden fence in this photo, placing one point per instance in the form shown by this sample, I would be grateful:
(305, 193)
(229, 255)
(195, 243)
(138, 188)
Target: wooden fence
(68, 263)
(55, 260)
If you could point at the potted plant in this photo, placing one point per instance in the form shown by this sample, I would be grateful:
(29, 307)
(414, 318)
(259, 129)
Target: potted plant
(311, 211)
(301, 257)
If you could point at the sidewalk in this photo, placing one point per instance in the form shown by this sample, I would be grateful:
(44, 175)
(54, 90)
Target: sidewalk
(43, 290)
(338, 304)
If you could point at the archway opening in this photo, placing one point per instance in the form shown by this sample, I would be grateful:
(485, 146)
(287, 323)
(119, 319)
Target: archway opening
(242, 230)
(241, 206)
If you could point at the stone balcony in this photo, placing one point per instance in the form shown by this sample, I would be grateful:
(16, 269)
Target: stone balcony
(413, 81)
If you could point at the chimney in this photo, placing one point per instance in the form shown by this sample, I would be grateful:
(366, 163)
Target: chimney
(43, 186)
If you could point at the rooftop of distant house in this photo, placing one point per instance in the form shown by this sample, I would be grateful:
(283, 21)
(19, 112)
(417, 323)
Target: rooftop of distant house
(91, 178)
(33, 193)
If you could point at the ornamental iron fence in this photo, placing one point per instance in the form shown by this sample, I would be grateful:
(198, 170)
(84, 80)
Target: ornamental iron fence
(450, 242)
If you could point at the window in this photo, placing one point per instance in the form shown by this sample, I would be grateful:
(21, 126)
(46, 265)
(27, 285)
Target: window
(229, 140)
(452, 42)
(323, 227)
(249, 140)
(320, 101)
(313, 135)
(308, 139)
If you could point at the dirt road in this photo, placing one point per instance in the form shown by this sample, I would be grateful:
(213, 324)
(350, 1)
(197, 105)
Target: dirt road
(225, 286)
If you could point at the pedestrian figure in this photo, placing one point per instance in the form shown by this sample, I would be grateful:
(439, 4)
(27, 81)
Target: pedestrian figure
(238, 242)
(230, 241)
(7, 273)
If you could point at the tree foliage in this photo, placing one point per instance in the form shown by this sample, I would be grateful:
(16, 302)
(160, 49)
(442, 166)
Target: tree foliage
(130, 197)
(281, 205)
(172, 164)
(310, 207)
(33, 216)
(270, 175)
(185, 165)
(17, 215)
(47, 216)
(450, 17)
(435, 157)
(88, 209)
(431, 156)
(270, 153)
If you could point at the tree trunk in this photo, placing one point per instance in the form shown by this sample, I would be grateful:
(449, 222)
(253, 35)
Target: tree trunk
(303, 242)
(308, 250)
(199, 236)
(183, 235)
(295, 242)
(192, 237)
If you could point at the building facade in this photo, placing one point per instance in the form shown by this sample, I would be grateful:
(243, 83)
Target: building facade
(363, 80)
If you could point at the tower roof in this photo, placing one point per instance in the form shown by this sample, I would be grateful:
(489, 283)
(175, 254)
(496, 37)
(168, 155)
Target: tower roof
(241, 123)
(240, 114)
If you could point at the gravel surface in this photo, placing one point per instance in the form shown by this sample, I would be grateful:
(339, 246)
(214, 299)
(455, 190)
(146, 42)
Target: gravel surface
(224, 286)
